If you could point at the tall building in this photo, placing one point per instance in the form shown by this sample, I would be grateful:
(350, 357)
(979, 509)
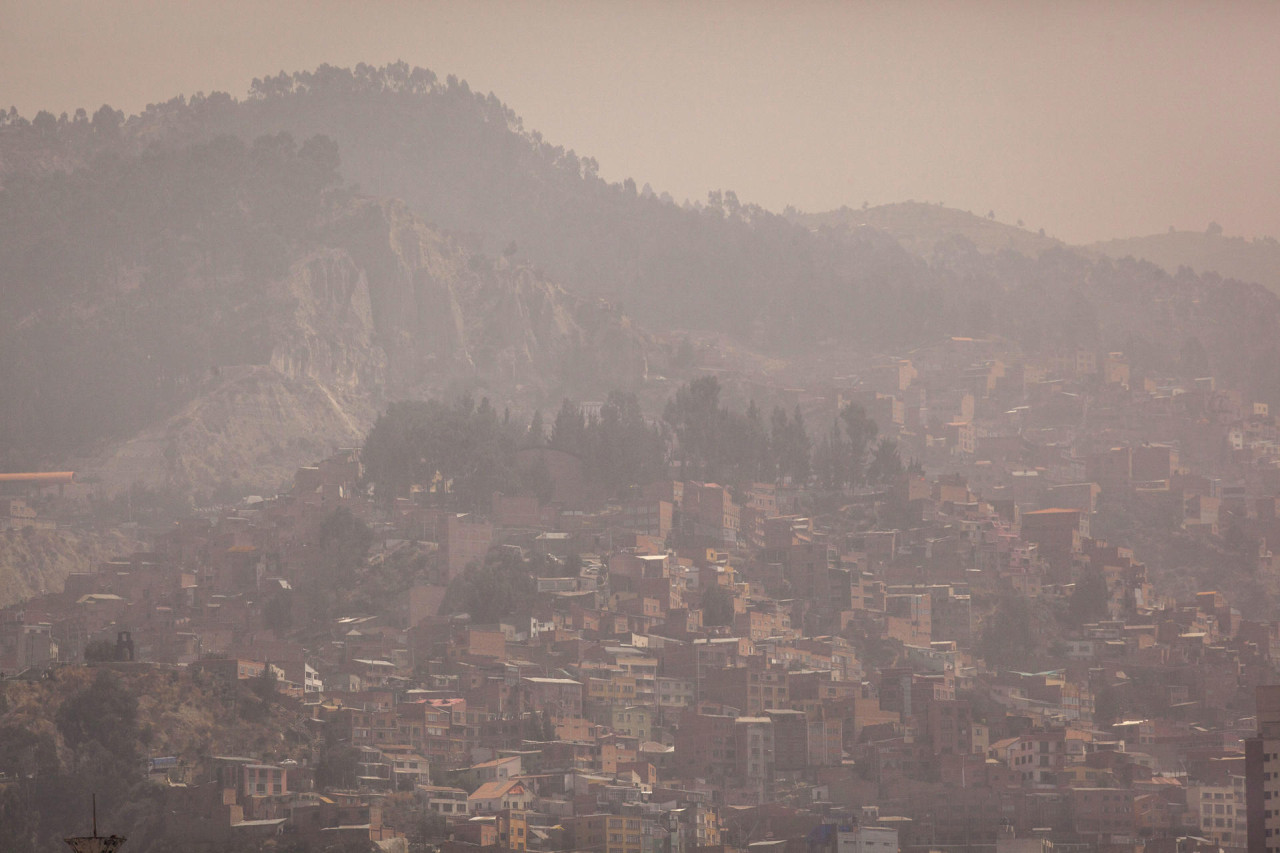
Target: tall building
(1262, 774)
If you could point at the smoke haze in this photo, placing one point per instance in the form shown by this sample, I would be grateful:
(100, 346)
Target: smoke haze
(1091, 120)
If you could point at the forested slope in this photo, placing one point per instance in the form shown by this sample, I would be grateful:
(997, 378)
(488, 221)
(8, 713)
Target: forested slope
(181, 227)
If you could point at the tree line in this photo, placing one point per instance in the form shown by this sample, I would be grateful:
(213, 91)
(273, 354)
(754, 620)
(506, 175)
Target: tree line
(461, 453)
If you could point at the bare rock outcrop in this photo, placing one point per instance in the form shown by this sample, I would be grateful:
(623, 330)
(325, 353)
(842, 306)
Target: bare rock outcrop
(387, 308)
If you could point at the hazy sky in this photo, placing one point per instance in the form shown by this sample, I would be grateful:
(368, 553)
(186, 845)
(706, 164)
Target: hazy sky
(1090, 119)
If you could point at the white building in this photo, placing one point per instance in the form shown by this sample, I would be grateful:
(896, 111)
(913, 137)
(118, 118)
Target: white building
(867, 839)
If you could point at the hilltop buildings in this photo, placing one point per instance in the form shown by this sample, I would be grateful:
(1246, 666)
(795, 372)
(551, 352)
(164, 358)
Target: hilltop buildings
(953, 660)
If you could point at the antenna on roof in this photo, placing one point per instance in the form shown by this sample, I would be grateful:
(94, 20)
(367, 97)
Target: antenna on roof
(95, 843)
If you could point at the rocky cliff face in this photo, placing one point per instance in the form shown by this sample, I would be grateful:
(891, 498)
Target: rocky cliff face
(322, 327)
(33, 561)
(440, 312)
(247, 430)
(386, 308)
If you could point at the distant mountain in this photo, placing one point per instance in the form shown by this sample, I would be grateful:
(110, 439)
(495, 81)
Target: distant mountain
(1209, 251)
(464, 163)
(141, 253)
(920, 228)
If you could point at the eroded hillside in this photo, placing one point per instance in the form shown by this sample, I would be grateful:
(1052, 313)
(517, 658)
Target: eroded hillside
(225, 339)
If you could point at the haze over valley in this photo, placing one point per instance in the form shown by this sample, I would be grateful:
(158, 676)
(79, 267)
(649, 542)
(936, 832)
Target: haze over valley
(641, 456)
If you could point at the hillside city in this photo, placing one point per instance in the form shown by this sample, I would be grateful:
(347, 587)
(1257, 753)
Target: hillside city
(1004, 601)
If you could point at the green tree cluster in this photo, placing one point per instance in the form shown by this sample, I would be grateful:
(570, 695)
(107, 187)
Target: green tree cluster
(1088, 602)
(462, 452)
(100, 723)
(717, 606)
(501, 586)
(617, 446)
(716, 444)
(342, 549)
(842, 459)
(1010, 637)
(886, 462)
(338, 767)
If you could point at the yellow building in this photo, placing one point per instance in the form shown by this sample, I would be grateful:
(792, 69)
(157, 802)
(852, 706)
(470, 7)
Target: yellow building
(605, 833)
(633, 721)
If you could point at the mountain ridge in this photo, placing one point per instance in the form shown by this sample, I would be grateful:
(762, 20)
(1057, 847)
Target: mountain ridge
(491, 259)
(919, 227)
(1209, 251)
